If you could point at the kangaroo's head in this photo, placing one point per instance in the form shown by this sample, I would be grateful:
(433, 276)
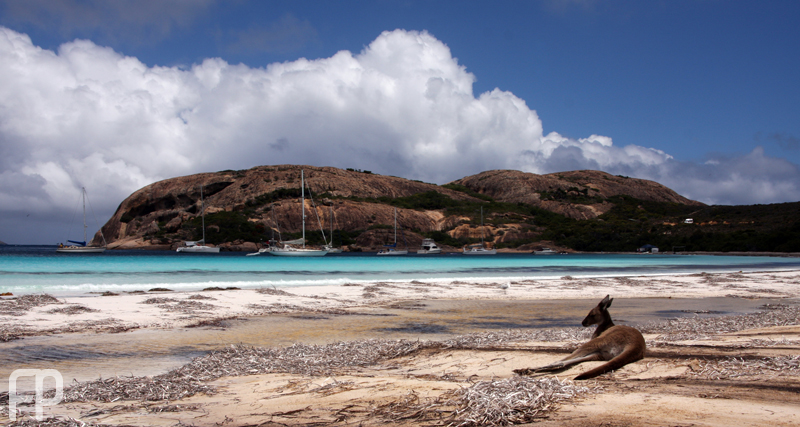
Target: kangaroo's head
(599, 314)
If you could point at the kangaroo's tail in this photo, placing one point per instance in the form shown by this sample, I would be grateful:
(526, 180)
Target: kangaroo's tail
(631, 354)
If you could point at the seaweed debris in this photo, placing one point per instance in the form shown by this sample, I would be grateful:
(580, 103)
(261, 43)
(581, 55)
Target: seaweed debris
(696, 328)
(20, 305)
(72, 309)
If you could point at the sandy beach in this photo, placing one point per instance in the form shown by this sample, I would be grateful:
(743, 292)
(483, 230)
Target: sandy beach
(706, 368)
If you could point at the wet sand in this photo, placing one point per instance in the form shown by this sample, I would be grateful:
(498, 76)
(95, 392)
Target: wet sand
(663, 389)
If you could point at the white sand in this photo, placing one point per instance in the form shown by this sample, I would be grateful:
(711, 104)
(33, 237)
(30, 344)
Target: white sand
(131, 311)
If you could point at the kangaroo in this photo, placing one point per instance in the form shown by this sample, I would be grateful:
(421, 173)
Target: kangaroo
(617, 344)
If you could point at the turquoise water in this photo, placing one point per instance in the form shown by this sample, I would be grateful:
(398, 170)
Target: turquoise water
(30, 269)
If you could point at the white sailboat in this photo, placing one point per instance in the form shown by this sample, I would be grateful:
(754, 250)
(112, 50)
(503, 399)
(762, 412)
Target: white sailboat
(199, 246)
(391, 250)
(479, 249)
(288, 249)
(272, 242)
(329, 247)
(80, 247)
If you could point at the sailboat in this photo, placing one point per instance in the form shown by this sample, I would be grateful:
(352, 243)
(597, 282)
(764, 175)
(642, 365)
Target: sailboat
(391, 249)
(199, 246)
(330, 248)
(81, 247)
(479, 249)
(288, 249)
(272, 242)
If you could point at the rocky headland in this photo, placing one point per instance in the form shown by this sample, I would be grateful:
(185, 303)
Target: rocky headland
(244, 208)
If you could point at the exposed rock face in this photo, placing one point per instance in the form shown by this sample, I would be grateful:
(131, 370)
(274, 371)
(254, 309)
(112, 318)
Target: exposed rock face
(172, 202)
(576, 194)
(156, 216)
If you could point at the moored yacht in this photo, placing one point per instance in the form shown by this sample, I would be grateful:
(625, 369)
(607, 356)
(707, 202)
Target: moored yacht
(291, 251)
(479, 249)
(429, 247)
(199, 246)
(391, 250)
(80, 247)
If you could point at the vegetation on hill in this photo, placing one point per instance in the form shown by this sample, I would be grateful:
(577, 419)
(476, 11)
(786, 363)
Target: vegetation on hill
(580, 210)
(630, 224)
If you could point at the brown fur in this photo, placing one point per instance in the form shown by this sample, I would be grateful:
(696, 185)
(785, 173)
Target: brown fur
(619, 345)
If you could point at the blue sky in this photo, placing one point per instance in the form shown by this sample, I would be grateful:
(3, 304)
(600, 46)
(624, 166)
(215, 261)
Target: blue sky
(701, 96)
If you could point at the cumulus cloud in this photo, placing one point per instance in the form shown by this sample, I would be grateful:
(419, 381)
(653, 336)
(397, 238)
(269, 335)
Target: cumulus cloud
(87, 115)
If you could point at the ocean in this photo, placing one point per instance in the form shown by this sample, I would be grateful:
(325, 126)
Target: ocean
(40, 269)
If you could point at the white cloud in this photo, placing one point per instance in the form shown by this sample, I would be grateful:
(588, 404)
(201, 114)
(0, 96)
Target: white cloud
(87, 115)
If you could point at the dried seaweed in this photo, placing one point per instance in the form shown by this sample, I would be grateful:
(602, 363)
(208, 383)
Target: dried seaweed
(273, 291)
(22, 304)
(496, 402)
(510, 401)
(187, 306)
(239, 360)
(11, 332)
(167, 386)
(572, 336)
(158, 300)
(303, 359)
(72, 309)
(52, 422)
(741, 368)
(173, 408)
(695, 328)
(262, 309)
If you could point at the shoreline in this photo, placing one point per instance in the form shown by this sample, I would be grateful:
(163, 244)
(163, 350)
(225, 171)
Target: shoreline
(178, 309)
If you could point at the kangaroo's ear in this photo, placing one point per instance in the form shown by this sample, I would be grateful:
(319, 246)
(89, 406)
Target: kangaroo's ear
(609, 303)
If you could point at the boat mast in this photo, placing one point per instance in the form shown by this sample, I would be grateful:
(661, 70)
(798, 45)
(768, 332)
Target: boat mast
(203, 214)
(303, 204)
(331, 225)
(83, 195)
(481, 226)
(395, 226)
